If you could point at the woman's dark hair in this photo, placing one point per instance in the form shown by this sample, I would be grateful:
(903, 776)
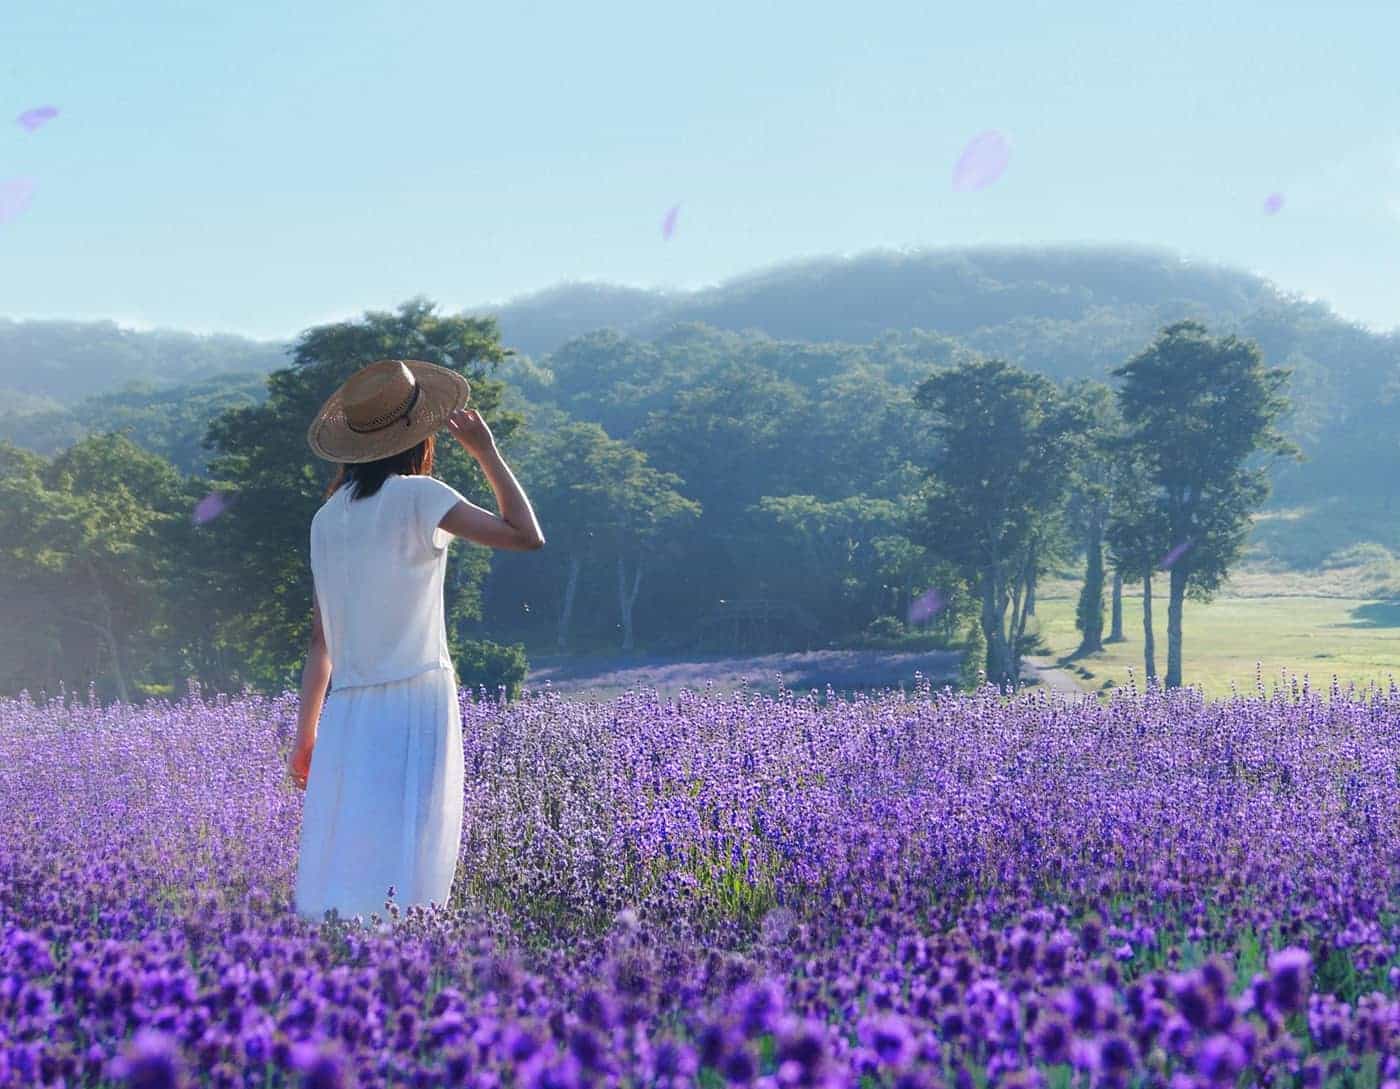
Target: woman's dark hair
(367, 477)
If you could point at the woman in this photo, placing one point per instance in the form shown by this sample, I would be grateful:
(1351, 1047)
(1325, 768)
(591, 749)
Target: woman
(384, 807)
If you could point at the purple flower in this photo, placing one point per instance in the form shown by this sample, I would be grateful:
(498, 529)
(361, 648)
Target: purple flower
(739, 1067)
(758, 1006)
(520, 1044)
(1216, 976)
(1194, 1004)
(563, 1073)
(1289, 971)
(586, 1048)
(1081, 1006)
(889, 1037)
(1051, 1041)
(597, 1009)
(673, 1059)
(1115, 1056)
(149, 1062)
(1221, 1059)
(802, 1043)
(325, 1073)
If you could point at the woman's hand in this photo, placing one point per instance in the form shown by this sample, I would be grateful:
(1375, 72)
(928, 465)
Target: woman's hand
(469, 429)
(299, 764)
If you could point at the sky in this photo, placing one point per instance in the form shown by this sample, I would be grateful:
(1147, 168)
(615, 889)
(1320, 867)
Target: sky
(263, 167)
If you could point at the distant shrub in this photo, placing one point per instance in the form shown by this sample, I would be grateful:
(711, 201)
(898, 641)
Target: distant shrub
(481, 662)
(885, 627)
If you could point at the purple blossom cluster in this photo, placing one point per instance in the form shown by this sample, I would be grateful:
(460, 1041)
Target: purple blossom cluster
(893, 891)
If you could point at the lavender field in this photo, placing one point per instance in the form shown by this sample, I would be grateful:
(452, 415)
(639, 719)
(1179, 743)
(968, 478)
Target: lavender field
(908, 890)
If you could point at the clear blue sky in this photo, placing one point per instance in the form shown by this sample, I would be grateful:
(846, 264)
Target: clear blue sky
(259, 167)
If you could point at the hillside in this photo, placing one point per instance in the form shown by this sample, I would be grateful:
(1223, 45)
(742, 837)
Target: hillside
(985, 296)
(1068, 312)
(51, 363)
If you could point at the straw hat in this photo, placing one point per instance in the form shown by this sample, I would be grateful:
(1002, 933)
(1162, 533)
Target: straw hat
(385, 408)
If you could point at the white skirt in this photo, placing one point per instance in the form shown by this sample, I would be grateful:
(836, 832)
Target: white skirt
(384, 798)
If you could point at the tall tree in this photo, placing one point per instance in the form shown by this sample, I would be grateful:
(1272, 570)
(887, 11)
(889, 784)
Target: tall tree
(262, 456)
(1202, 411)
(635, 506)
(1136, 527)
(83, 532)
(1089, 503)
(593, 487)
(996, 488)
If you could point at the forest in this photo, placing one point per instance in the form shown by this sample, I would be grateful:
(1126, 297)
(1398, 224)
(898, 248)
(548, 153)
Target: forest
(791, 459)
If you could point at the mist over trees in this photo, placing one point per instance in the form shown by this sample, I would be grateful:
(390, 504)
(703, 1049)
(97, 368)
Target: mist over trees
(713, 472)
(1069, 312)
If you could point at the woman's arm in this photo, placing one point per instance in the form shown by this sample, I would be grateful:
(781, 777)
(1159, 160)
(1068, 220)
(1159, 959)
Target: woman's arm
(315, 676)
(516, 527)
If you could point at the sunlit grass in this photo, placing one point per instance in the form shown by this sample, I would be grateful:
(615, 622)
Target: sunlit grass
(1355, 639)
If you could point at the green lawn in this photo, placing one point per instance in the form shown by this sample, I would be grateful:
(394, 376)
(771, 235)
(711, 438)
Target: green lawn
(1356, 639)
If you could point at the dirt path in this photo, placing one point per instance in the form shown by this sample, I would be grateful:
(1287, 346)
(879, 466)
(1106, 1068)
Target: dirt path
(1053, 678)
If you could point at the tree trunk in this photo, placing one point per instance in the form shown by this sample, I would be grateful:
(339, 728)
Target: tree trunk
(627, 600)
(1149, 647)
(1021, 603)
(994, 634)
(567, 612)
(1176, 598)
(122, 693)
(1089, 615)
(108, 633)
(1115, 634)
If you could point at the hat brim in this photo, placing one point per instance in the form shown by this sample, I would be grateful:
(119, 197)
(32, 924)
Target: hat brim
(441, 392)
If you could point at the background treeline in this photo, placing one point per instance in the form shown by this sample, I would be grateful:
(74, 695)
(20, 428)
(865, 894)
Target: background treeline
(746, 468)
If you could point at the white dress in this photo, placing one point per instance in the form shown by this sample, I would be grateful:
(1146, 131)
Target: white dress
(384, 797)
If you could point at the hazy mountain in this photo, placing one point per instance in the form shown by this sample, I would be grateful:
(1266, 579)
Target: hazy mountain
(967, 293)
(65, 361)
(1066, 310)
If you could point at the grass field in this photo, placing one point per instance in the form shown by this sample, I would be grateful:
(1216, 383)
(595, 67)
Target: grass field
(1354, 638)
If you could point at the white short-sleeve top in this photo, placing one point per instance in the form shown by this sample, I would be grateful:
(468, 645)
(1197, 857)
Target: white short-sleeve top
(379, 565)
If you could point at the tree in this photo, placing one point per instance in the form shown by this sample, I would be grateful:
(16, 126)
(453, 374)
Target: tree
(1007, 445)
(1089, 505)
(81, 538)
(822, 555)
(31, 649)
(556, 459)
(1135, 529)
(1201, 413)
(634, 506)
(262, 456)
(594, 486)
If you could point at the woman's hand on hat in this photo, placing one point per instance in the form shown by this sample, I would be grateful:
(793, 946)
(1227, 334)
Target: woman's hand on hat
(469, 429)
